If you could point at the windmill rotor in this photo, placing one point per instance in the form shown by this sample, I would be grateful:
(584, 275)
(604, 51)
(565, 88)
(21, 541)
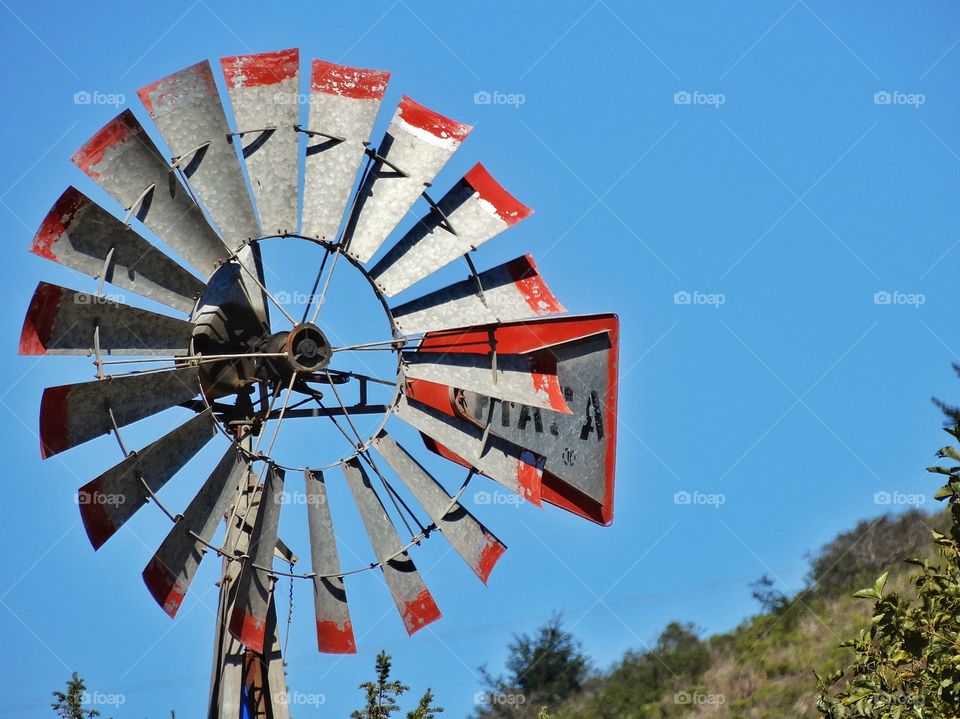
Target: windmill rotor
(490, 370)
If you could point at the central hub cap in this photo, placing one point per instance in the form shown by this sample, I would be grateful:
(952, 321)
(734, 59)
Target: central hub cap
(307, 348)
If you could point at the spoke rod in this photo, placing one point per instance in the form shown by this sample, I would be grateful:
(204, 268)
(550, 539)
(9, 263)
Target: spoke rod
(394, 497)
(316, 284)
(326, 285)
(382, 345)
(267, 293)
(357, 375)
(194, 358)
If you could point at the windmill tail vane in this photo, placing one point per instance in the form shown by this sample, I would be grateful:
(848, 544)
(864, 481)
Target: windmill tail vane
(490, 370)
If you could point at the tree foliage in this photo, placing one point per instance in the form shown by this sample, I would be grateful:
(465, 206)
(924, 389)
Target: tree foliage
(907, 664)
(543, 670)
(381, 696)
(69, 704)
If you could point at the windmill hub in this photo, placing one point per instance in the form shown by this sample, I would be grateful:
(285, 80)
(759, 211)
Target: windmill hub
(307, 348)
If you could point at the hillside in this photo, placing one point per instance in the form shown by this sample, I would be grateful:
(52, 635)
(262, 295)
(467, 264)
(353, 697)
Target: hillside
(763, 669)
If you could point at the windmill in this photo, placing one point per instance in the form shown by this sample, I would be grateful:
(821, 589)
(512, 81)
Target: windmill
(489, 370)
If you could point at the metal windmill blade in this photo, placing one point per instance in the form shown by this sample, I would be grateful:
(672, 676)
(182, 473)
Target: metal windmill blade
(485, 369)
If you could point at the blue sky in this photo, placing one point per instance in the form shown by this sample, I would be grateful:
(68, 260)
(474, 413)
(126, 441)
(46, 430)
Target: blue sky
(804, 199)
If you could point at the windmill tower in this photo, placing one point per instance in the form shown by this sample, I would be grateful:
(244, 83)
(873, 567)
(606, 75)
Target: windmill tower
(490, 370)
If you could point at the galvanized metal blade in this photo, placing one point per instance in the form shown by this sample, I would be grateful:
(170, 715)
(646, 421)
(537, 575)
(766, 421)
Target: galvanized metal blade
(123, 160)
(516, 468)
(171, 569)
(264, 91)
(474, 542)
(81, 235)
(579, 448)
(107, 502)
(248, 622)
(525, 379)
(187, 110)
(61, 321)
(511, 291)
(417, 145)
(410, 594)
(72, 414)
(334, 628)
(344, 102)
(475, 210)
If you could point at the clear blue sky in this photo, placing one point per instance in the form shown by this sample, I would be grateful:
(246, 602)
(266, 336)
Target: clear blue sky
(784, 188)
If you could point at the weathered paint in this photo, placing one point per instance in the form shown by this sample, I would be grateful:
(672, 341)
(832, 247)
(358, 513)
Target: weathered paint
(508, 208)
(353, 82)
(267, 68)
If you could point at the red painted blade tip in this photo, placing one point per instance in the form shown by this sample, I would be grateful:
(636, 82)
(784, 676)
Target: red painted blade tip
(507, 207)
(57, 221)
(267, 68)
(335, 639)
(113, 133)
(440, 126)
(53, 421)
(38, 324)
(420, 612)
(93, 512)
(163, 587)
(151, 98)
(532, 286)
(489, 557)
(353, 82)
